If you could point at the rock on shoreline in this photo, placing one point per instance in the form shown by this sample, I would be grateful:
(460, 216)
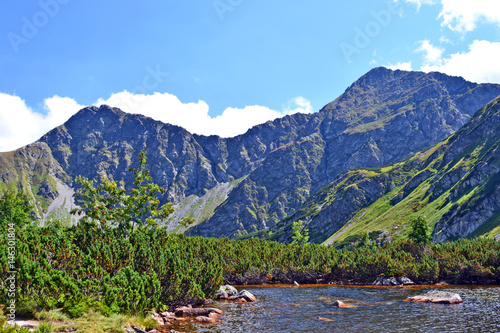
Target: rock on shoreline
(392, 281)
(230, 293)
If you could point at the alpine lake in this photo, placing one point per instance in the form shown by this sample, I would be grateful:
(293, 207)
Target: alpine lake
(309, 308)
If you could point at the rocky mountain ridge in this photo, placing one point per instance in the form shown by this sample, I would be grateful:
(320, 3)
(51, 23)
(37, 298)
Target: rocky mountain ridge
(382, 118)
(269, 172)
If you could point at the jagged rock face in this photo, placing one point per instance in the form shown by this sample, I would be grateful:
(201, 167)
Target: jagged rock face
(382, 118)
(104, 141)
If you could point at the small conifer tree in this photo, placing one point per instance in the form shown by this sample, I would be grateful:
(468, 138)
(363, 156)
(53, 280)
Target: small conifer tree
(419, 230)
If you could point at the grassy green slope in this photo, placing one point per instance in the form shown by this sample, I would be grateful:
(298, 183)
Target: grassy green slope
(458, 175)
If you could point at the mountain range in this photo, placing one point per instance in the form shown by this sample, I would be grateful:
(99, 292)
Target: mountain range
(394, 145)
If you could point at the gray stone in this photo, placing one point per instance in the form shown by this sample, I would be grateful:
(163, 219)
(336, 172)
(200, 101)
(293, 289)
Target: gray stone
(243, 295)
(404, 280)
(225, 292)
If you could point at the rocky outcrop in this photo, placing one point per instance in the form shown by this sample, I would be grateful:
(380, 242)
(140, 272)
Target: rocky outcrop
(243, 297)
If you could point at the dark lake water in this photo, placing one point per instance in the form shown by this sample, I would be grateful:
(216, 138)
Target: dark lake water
(295, 309)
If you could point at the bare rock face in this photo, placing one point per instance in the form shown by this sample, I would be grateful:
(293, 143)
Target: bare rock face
(435, 296)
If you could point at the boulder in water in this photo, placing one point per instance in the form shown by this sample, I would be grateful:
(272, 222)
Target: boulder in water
(341, 304)
(243, 295)
(436, 296)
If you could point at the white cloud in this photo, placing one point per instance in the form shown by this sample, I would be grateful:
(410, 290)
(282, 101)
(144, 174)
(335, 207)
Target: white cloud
(444, 39)
(480, 64)
(21, 125)
(419, 3)
(433, 54)
(463, 15)
(298, 105)
(194, 116)
(163, 107)
(405, 66)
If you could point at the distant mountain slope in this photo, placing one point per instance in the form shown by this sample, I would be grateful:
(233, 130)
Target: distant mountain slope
(240, 185)
(455, 184)
(33, 169)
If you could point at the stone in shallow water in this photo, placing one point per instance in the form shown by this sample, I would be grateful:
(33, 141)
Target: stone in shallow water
(436, 296)
(341, 304)
(243, 295)
(203, 319)
(197, 311)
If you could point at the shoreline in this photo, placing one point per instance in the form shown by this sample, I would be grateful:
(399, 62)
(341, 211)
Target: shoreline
(353, 285)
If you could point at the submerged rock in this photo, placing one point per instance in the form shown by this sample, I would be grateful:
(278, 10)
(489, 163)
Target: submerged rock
(436, 296)
(341, 304)
(203, 319)
(338, 303)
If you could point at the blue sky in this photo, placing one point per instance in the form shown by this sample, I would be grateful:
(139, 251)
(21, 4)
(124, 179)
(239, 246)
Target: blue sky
(221, 66)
